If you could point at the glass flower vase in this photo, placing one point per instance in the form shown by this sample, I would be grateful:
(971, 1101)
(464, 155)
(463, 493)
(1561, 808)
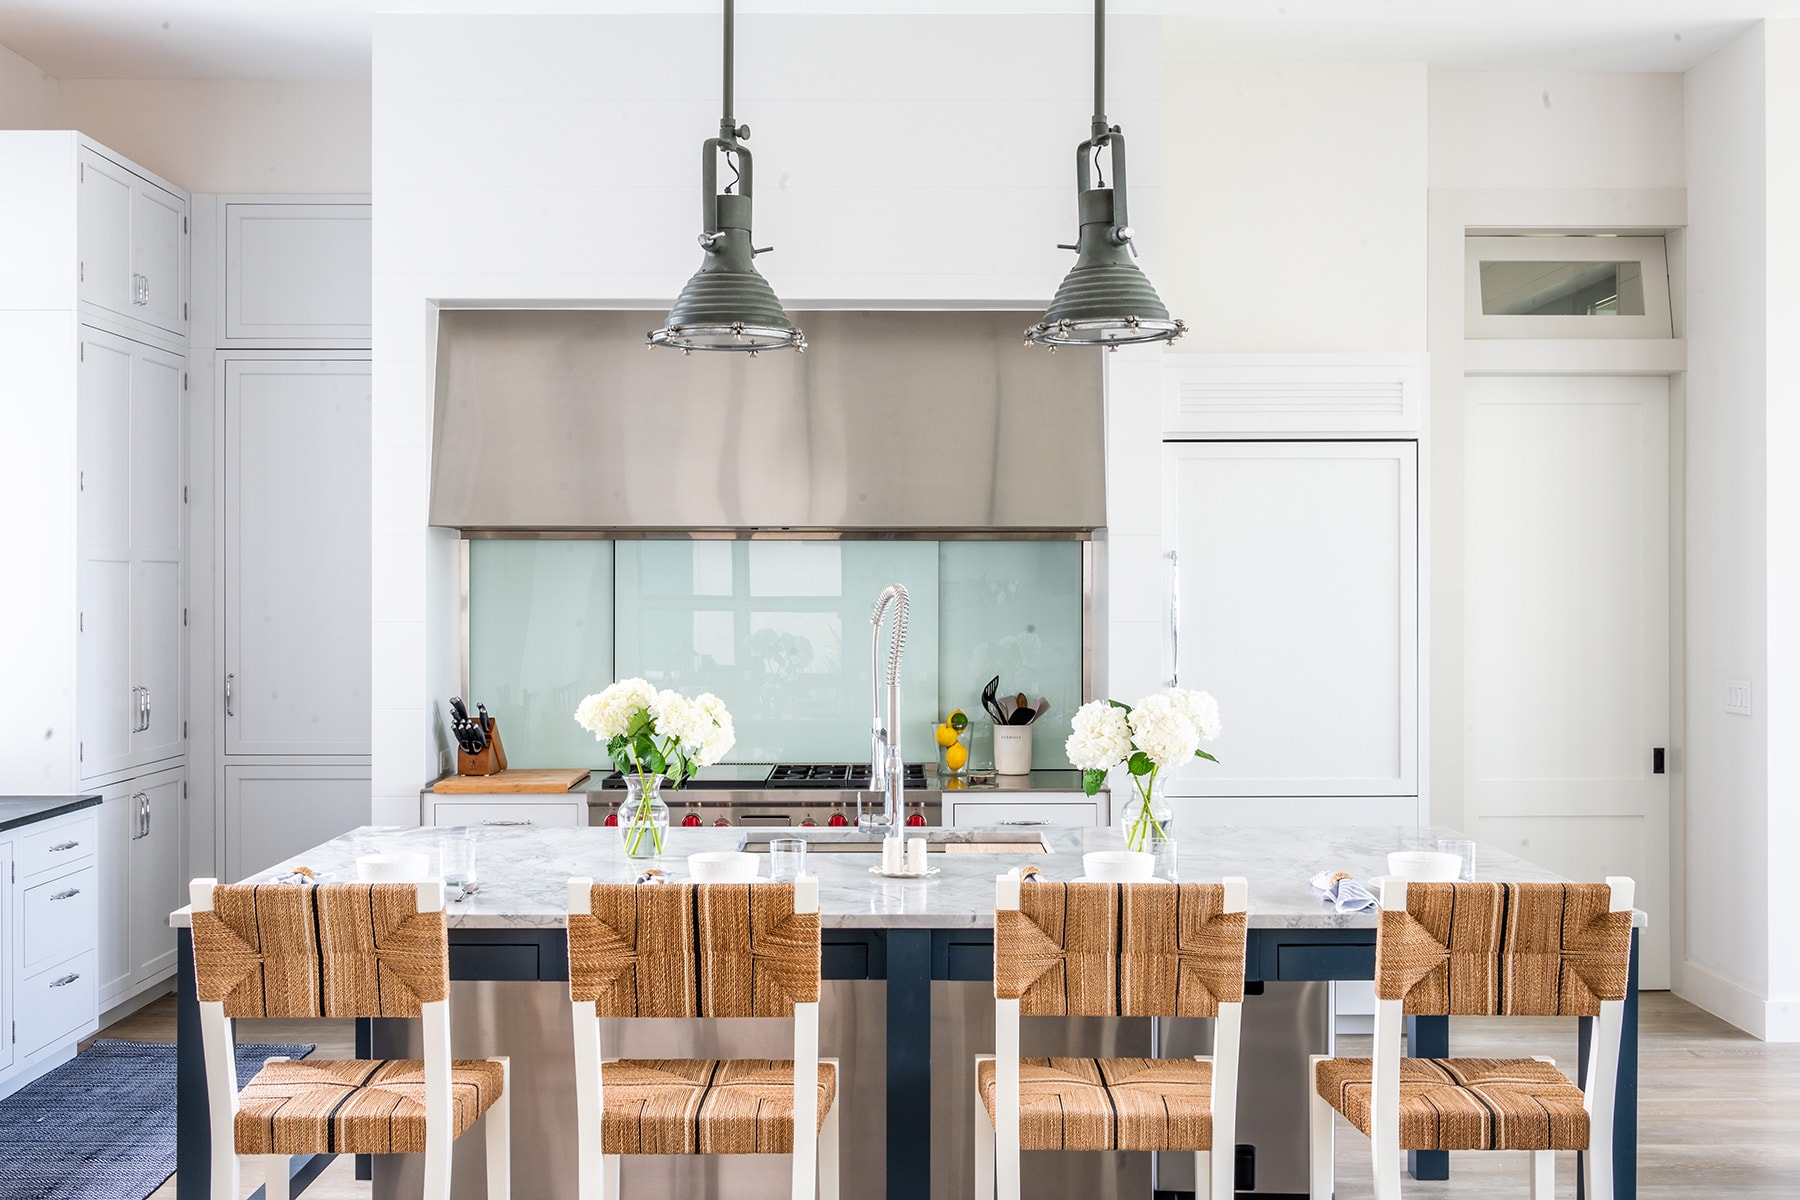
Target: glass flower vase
(1148, 823)
(643, 818)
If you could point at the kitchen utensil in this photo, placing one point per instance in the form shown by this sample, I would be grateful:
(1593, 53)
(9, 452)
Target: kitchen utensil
(722, 866)
(404, 867)
(1118, 866)
(1043, 708)
(989, 703)
(1424, 866)
(1007, 706)
(1023, 713)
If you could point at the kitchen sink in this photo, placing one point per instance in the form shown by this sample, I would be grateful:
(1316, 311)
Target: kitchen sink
(992, 842)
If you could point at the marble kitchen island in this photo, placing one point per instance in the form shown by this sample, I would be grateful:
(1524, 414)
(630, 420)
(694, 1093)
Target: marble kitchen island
(891, 946)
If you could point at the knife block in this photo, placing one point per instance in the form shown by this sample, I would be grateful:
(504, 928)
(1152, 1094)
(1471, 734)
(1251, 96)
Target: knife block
(490, 761)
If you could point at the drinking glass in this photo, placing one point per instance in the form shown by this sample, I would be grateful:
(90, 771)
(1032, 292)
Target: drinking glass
(457, 861)
(1464, 850)
(787, 859)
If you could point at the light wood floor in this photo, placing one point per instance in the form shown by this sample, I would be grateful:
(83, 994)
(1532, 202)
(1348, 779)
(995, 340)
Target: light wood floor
(1719, 1111)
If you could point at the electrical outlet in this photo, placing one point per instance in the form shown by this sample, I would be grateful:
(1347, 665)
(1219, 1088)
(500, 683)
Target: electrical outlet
(1737, 696)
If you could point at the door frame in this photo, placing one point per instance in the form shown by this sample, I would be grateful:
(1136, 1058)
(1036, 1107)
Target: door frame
(1454, 214)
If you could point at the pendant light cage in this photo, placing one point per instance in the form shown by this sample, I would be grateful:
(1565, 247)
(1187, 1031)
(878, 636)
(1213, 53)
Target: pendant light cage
(727, 305)
(1105, 299)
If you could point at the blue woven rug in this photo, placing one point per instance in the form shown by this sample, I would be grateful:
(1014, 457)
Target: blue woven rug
(103, 1126)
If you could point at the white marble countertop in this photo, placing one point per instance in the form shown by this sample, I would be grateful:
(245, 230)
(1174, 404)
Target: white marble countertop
(523, 871)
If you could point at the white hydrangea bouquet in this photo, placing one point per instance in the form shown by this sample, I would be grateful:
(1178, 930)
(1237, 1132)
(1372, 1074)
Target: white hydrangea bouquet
(1163, 730)
(654, 736)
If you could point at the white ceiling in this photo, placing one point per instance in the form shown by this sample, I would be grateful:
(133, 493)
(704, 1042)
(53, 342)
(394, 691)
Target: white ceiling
(329, 39)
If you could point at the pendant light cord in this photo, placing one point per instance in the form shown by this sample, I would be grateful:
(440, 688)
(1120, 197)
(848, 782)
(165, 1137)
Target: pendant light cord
(727, 126)
(1099, 67)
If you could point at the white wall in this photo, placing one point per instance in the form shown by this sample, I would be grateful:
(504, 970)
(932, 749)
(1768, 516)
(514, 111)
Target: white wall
(27, 95)
(1295, 205)
(231, 135)
(899, 158)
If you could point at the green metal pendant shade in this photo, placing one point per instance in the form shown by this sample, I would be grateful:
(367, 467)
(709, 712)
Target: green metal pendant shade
(727, 305)
(1104, 300)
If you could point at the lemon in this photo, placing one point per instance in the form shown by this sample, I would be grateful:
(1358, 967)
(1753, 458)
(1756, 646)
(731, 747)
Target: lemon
(946, 736)
(957, 721)
(956, 757)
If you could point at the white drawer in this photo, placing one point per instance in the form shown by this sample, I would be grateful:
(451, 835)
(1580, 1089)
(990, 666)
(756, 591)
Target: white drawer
(56, 1003)
(62, 916)
(57, 844)
(568, 814)
(1029, 814)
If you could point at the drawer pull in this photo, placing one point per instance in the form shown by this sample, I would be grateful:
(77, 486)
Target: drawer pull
(68, 895)
(62, 846)
(1032, 822)
(525, 821)
(65, 981)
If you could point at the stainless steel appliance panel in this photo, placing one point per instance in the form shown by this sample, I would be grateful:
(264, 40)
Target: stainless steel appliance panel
(530, 1022)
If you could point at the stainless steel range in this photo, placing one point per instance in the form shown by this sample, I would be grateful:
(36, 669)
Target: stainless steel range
(776, 794)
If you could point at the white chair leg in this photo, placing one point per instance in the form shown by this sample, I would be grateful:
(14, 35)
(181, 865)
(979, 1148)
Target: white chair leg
(437, 1170)
(828, 1156)
(1321, 1134)
(609, 1177)
(275, 1177)
(1597, 1164)
(1543, 1175)
(984, 1143)
(226, 1172)
(499, 1137)
(1203, 1175)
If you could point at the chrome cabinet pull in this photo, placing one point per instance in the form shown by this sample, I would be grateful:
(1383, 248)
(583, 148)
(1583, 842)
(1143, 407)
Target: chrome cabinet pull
(61, 847)
(68, 895)
(1024, 822)
(230, 686)
(143, 816)
(65, 981)
(1174, 573)
(144, 701)
(526, 821)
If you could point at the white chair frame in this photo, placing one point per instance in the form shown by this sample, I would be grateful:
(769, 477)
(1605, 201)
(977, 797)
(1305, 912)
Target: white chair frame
(997, 1140)
(815, 1154)
(1384, 1115)
(219, 1051)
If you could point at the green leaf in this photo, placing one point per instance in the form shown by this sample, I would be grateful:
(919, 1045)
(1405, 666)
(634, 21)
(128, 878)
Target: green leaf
(640, 722)
(1205, 755)
(657, 762)
(1140, 764)
(1120, 704)
(1093, 780)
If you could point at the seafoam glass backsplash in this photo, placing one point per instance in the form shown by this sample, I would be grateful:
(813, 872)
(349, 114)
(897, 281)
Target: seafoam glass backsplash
(778, 629)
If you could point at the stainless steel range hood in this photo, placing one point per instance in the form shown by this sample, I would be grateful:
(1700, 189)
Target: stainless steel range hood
(892, 423)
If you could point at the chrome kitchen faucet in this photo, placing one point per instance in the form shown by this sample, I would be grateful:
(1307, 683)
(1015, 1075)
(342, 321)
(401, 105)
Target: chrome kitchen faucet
(887, 773)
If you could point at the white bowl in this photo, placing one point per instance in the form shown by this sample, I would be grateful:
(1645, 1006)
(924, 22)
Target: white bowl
(1424, 866)
(1118, 866)
(722, 866)
(404, 867)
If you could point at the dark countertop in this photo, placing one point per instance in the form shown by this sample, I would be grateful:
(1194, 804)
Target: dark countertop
(23, 810)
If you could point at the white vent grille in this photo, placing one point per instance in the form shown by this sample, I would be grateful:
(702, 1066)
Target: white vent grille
(1293, 395)
(1200, 397)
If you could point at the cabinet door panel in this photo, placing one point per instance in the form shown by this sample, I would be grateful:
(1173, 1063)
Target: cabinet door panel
(1298, 610)
(155, 875)
(105, 711)
(156, 255)
(118, 825)
(6, 924)
(297, 274)
(103, 233)
(102, 434)
(297, 556)
(273, 813)
(156, 655)
(156, 454)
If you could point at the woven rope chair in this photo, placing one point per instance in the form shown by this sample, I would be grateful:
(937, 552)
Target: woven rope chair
(1112, 950)
(1485, 949)
(700, 950)
(333, 951)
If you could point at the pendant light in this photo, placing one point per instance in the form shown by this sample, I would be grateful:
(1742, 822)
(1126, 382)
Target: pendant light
(1104, 300)
(727, 305)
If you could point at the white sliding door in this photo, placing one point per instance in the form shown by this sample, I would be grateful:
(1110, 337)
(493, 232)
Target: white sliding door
(1567, 560)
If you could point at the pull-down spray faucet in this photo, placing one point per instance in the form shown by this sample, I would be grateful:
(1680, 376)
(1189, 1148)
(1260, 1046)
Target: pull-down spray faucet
(887, 773)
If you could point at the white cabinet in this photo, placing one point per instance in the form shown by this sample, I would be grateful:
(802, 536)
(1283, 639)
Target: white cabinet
(296, 274)
(275, 811)
(132, 235)
(1036, 811)
(129, 522)
(50, 896)
(492, 810)
(142, 825)
(1295, 601)
(6, 957)
(297, 546)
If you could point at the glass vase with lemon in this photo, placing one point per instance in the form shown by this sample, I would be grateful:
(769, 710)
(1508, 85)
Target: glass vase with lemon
(953, 745)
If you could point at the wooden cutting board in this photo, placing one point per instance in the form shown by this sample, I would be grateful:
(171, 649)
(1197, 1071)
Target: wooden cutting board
(506, 782)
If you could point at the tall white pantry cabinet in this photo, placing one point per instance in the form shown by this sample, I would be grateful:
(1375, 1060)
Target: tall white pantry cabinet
(94, 304)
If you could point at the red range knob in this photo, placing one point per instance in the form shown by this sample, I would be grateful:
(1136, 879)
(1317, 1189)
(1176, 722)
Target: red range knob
(839, 819)
(916, 820)
(612, 818)
(722, 823)
(691, 821)
(809, 823)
